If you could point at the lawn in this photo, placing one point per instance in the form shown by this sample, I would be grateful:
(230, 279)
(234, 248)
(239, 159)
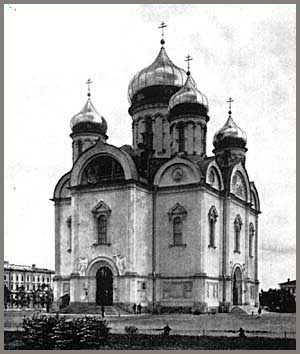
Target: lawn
(13, 340)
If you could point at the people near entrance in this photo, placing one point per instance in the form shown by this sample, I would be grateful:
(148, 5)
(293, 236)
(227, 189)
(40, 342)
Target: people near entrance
(134, 308)
(102, 311)
(139, 309)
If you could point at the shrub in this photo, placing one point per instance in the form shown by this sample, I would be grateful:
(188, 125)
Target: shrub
(42, 332)
(131, 329)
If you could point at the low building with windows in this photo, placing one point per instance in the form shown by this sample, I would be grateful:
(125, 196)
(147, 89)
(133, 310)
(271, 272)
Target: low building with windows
(289, 285)
(158, 222)
(30, 277)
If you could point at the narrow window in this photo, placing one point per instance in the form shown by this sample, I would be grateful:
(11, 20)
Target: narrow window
(69, 225)
(181, 138)
(102, 229)
(237, 232)
(212, 219)
(251, 239)
(177, 230)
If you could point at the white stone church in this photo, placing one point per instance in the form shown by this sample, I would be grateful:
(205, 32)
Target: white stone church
(158, 223)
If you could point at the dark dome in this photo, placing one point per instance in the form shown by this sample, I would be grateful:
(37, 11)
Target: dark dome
(88, 119)
(230, 136)
(162, 72)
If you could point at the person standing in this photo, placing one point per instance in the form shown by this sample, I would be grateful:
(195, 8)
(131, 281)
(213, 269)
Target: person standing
(139, 308)
(102, 311)
(134, 308)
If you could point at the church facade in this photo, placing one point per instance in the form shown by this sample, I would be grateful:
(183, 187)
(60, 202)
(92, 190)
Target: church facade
(157, 223)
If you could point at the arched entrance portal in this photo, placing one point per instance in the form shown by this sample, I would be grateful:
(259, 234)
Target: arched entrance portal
(104, 286)
(237, 287)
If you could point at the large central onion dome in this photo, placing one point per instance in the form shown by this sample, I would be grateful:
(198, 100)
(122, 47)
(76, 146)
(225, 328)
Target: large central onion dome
(188, 94)
(89, 120)
(230, 136)
(160, 74)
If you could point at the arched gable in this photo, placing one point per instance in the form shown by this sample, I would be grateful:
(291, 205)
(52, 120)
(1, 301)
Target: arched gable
(254, 196)
(122, 157)
(213, 176)
(239, 182)
(101, 261)
(61, 189)
(177, 171)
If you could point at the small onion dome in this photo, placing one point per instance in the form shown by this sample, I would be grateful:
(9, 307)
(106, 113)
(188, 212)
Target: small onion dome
(89, 120)
(162, 72)
(230, 136)
(188, 94)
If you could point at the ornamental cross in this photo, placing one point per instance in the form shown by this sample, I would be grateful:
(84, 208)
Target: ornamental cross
(188, 59)
(89, 82)
(162, 26)
(230, 101)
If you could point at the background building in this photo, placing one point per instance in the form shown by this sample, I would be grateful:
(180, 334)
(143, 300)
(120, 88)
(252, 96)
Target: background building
(289, 285)
(30, 277)
(159, 222)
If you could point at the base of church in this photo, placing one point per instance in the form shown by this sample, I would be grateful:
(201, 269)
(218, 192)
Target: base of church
(127, 308)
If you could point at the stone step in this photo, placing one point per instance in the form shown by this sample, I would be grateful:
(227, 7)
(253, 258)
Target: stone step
(244, 309)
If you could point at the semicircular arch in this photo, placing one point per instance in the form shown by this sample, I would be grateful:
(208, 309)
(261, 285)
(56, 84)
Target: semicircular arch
(122, 157)
(176, 170)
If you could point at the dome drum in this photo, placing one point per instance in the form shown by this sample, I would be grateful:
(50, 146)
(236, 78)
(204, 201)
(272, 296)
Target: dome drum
(189, 109)
(152, 95)
(90, 127)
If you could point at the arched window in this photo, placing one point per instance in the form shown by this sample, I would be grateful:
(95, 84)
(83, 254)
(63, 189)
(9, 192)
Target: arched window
(79, 147)
(69, 225)
(212, 219)
(102, 229)
(180, 138)
(102, 213)
(177, 230)
(102, 169)
(176, 216)
(237, 233)
(251, 239)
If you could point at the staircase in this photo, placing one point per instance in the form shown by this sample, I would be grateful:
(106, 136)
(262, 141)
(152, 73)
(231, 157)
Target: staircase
(245, 310)
(95, 309)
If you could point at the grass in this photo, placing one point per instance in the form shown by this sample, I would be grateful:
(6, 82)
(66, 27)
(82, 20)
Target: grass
(13, 340)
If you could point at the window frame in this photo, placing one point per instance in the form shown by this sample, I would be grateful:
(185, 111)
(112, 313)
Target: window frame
(101, 210)
(177, 212)
(237, 233)
(212, 220)
(251, 239)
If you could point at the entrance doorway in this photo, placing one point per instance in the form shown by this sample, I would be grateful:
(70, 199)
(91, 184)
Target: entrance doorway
(104, 287)
(237, 287)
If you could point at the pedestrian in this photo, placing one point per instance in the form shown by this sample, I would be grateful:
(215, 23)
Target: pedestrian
(139, 308)
(241, 333)
(102, 311)
(259, 311)
(167, 330)
(134, 308)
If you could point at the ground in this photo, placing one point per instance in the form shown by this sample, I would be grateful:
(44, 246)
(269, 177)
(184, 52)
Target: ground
(270, 324)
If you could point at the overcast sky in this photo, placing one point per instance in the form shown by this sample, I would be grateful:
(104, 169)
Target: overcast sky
(244, 51)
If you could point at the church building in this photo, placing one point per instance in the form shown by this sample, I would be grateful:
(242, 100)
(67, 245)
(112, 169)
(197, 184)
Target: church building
(157, 223)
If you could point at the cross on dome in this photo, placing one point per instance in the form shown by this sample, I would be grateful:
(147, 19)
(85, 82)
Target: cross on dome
(230, 100)
(162, 26)
(89, 82)
(188, 59)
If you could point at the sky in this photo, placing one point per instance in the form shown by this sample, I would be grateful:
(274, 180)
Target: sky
(247, 52)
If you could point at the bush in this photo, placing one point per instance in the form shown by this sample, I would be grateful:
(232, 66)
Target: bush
(42, 332)
(131, 329)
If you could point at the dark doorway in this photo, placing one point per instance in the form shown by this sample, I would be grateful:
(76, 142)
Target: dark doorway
(237, 287)
(104, 287)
